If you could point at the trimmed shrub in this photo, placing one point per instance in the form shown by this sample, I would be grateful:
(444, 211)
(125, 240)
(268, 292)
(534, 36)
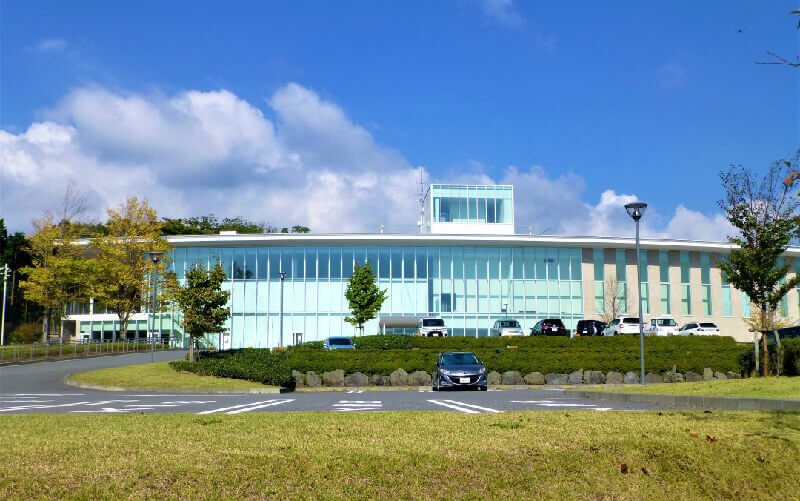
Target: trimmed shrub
(26, 334)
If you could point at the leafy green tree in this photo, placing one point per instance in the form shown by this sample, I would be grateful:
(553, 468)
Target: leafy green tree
(201, 301)
(122, 265)
(364, 296)
(300, 229)
(764, 213)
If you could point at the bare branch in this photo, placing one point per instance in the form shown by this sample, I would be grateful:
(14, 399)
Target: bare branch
(781, 60)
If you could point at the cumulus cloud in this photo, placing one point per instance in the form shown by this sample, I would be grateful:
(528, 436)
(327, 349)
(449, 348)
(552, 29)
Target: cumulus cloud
(198, 152)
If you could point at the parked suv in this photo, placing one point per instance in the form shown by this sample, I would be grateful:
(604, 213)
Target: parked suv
(506, 327)
(432, 327)
(661, 326)
(549, 327)
(622, 325)
(589, 328)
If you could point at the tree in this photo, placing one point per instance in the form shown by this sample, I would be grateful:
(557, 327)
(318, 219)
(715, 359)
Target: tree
(364, 296)
(202, 301)
(764, 214)
(122, 263)
(60, 272)
(612, 300)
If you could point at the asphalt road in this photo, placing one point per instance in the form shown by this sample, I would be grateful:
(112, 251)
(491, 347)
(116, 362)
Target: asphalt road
(39, 388)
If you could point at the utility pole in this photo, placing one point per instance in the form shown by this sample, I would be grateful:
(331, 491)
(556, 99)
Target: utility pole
(3, 317)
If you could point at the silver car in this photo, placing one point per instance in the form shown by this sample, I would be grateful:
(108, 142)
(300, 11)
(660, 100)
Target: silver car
(506, 327)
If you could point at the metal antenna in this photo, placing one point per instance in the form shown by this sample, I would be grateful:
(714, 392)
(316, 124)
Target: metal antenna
(421, 222)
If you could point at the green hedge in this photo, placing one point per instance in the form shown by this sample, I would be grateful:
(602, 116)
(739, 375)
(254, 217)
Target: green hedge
(791, 358)
(384, 354)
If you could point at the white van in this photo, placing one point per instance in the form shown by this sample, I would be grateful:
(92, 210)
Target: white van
(432, 327)
(661, 326)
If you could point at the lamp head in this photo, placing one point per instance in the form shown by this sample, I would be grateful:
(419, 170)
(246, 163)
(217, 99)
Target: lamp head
(155, 256)
(636, 210)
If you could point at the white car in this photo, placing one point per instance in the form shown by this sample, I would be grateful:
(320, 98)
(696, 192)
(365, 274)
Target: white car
(504, 328)
(432, 327)
(622, 325)
(700, 329)
(661, 326)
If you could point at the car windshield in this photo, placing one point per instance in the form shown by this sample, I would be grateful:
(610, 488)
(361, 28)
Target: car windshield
(630, 320)
(708, 325)
(666, 322)
(509, 323)
(459, 359)
(433, 322)
(340, 341)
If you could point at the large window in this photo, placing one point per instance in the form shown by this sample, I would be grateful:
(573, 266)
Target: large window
(472, 204)
(705, 281)
(686, 294)
(622, 288)
(663, 271)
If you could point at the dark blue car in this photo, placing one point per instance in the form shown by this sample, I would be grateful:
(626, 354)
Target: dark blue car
(339, 343)
(459, 370)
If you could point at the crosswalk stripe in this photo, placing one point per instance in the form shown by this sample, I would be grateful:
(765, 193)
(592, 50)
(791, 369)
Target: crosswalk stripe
(487, 409)
(254, 407)
(462, 409)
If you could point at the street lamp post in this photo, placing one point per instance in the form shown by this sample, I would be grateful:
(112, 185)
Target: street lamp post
(280, 334)
(155, 256)
(636, 210)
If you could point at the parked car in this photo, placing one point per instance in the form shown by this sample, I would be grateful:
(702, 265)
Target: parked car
(622, 325)
(700, 329)
(549, 327)
(459, 370)
(589, 328)
(784, 334)
(338, 343)
(661, 326)
(432, 327)
(506, 327)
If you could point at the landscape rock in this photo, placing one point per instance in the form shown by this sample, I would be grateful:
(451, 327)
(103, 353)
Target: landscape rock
(614, 377)
(673, 377)
(493, 378)
(512, 377)
(551, 378)
(693, 376)
(312, 380)
(652, 378)
(333, 378)
(419, 378)
(534, 378)
(719, 375)
(576, 377)
(631, 378)
(356, 379)
(593, 377)
(298, 379)
(378, 380)
(733, 375)
(399, 378)
(708, 374)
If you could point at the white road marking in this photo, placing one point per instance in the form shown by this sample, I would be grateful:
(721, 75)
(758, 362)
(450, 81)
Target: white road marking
(42, 395)
(357, 405)
(254, 407)
(473, 406)
(223, 409)
(54, 406)
(24, 401)
(462, 409)
(356, 391)
(550, 403)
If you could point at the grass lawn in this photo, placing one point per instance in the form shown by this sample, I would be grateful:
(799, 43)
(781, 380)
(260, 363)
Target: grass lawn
(159, 375)
(769, 387)
(391, 455)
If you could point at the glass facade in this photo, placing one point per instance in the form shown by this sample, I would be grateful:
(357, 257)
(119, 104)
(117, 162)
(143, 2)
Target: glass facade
(472, 204)
(599, 280)
(705, 281)
(663, 272)
(469, 287)
(686, 295)
(622, 286)
(644, 288)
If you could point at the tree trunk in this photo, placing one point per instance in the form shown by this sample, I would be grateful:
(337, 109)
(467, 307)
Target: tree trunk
(45, 325)
(764, 354)
(191, 348)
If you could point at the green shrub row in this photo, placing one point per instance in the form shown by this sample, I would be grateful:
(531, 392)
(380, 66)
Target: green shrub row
(791, 358)
(538, 354)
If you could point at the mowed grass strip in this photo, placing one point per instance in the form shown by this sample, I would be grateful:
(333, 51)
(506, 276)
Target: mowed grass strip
(403, 455)
(159, 375)
(759, 387)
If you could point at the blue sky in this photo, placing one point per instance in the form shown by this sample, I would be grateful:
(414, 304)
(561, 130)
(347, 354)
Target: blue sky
(583, 105)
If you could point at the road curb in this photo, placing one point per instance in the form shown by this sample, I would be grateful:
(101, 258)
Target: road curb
(193, 391)
(703, 402)
(14, 363)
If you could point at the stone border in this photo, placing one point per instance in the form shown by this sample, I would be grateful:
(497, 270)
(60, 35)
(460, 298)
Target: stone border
(323, 389)
(693, 402)
(210, 391)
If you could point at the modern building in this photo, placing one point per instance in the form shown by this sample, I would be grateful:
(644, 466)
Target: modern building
(467, 266)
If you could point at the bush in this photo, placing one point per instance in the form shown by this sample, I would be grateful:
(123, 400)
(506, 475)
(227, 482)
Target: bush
(26, 334)
(791, 358)
(377, 355)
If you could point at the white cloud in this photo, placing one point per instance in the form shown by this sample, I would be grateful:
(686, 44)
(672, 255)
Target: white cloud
(670, 75)
(503, 12)
(198, 152)
(50, 45)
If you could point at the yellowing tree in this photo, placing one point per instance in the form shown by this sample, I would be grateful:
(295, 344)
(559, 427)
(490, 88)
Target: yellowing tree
(61, 272)
(123, 268)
